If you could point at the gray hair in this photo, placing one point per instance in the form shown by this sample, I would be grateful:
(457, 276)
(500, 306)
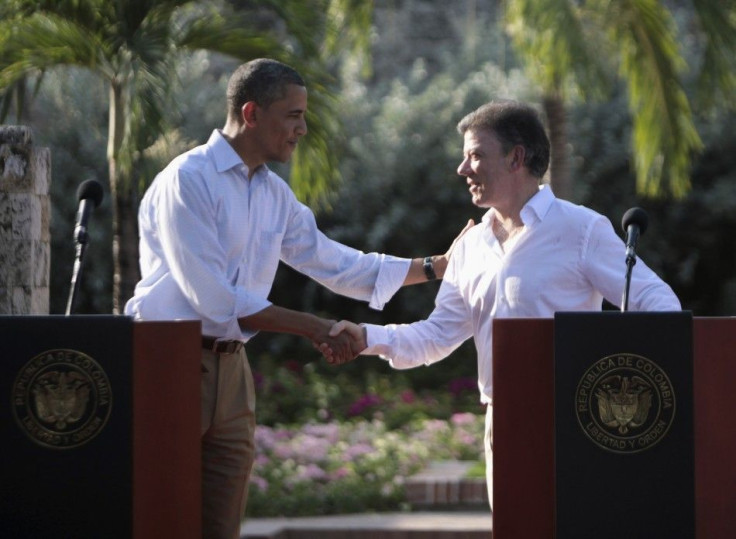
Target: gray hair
(514, 124)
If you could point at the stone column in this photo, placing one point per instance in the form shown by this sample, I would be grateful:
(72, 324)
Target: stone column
(25, 215)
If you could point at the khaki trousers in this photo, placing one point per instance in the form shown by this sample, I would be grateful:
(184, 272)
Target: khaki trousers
(488, 443)
(228, 448)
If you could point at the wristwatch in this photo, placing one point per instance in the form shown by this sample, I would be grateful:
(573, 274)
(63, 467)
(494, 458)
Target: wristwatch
(429, 269)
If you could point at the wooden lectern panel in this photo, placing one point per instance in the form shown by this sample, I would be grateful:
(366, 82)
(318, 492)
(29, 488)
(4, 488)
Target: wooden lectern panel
(714, 385)
(523, 438)
(167, 462)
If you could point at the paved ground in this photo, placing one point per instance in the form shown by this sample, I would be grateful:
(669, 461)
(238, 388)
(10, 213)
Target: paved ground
(435, 525)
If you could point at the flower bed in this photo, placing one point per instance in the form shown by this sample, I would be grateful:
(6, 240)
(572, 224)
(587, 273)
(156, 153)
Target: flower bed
(352, 466)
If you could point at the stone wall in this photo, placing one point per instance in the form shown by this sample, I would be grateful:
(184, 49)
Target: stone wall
(25, 214)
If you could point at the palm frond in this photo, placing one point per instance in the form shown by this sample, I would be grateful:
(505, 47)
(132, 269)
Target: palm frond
(664, 134)
(717, 77)
(314, 170)
(347, 24)
(550, 35)
(231, 36)
(43, 41)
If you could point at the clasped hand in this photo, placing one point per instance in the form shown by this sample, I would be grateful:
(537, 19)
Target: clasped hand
(344, 341)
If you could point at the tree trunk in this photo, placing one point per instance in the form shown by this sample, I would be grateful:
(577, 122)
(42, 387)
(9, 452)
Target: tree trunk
(125, 246)
(124, 203)
(559, 170)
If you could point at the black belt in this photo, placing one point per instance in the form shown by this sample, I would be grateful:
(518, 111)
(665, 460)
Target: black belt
(221, 347)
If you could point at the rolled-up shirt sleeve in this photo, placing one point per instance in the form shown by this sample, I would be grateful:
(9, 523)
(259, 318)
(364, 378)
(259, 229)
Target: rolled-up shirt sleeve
(370, 277)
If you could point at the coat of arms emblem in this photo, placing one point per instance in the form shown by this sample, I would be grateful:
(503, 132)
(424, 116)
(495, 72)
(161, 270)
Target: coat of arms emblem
(625, 403)
(62, 399)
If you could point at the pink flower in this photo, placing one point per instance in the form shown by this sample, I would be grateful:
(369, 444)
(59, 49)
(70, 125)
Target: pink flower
(260, 483)
(311, 472)
(341, 472)
(363, 403)
(463, 419)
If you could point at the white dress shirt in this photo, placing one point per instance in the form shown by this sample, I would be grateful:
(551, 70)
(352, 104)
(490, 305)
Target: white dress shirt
(566, 258)
(211, 240)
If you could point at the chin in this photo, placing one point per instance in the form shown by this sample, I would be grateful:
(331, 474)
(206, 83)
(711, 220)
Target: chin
(283, 158)
(286, 156)
(478, 201)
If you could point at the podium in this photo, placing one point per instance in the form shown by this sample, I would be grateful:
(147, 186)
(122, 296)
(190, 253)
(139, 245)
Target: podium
(526, 438)
(100, 428)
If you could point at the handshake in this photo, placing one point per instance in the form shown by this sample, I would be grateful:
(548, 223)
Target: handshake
(342, 342)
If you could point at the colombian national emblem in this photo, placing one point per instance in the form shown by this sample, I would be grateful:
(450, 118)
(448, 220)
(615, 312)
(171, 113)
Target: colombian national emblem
(625, 403)
(61, 399)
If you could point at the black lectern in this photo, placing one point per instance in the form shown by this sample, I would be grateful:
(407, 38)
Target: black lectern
(646, 399)
(100, 428)
(624, 464)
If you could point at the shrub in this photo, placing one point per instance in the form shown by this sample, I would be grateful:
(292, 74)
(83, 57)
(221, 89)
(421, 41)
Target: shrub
(291, 392)
(353, 466)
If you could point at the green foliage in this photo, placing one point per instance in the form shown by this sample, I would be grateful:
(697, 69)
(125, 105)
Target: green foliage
(354, 466)
(717, 72)
(664, 134)
(570, 64)
(292, 392)
(641, 37)
(73, 104)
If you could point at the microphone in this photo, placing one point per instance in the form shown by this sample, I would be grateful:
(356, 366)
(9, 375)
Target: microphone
(89, 194)
(634, 223)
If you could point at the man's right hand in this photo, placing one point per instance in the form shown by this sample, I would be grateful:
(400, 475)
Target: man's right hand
(341, 332)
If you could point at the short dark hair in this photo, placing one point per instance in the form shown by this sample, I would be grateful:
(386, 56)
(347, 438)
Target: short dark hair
(514, 124)
(262, 80)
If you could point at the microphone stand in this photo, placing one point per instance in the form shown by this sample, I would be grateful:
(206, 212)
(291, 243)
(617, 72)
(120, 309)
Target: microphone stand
(630, 261)
(77, 271)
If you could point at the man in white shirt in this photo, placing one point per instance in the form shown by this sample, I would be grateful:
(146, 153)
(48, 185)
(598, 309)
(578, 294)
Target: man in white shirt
(213, 226)
(531, 255)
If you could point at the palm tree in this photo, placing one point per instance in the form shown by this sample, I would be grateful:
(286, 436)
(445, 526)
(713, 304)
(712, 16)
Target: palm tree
(133, 46)
(566, 45)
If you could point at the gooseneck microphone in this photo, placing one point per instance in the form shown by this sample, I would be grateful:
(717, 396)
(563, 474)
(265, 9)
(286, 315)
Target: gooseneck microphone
(89, 194)
(634, 224)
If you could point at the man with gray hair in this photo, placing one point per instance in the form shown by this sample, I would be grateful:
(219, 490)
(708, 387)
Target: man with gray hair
(214, 225)
(532, 255)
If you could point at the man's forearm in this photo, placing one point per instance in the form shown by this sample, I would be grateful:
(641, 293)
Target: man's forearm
(433, 267)
(426, 269)
(281, 320)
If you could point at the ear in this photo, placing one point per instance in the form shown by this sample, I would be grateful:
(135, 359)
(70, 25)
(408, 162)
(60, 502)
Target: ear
(248, 113)
(517, 155)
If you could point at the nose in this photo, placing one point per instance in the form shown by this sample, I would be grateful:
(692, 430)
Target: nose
(301, 128)
(463, 168)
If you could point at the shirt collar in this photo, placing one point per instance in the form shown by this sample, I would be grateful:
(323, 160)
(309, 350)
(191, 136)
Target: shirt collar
(225, 157)
(535, 209)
